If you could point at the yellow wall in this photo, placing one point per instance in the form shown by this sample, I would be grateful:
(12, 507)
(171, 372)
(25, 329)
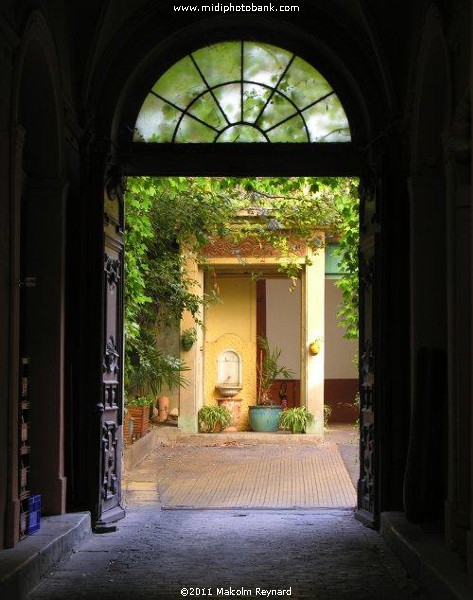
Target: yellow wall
(231, 324)
(339, 352)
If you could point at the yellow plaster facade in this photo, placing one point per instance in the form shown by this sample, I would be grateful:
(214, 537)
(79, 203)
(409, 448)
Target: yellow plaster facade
(231, 325)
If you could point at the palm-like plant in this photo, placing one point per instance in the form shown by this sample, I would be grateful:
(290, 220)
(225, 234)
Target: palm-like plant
(147, 370)
(269, 369)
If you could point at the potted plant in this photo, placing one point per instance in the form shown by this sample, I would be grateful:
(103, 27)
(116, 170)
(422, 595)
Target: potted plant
(296, 419)
(147, 371)
(213, 418)
(188, 337)
(138, 409)
(265, 415)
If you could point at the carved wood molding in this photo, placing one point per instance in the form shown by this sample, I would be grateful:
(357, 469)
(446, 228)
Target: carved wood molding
(111, 356)
(112, 270)
(110, 481)
(114, 182)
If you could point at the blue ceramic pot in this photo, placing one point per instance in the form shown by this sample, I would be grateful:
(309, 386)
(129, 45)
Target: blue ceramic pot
(265, 418)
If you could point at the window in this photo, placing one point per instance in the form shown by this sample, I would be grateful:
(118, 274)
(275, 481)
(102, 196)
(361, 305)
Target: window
(241, 92)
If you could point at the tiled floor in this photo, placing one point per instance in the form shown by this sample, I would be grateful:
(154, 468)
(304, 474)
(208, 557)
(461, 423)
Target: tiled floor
(244, 476)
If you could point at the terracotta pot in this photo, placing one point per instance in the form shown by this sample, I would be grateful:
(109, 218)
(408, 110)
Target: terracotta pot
(163, 408)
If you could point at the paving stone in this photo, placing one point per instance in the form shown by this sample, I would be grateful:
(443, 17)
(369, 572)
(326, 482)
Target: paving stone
(322, 554)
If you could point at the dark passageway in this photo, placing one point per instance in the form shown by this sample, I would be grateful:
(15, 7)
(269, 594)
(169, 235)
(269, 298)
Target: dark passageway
(323, 555)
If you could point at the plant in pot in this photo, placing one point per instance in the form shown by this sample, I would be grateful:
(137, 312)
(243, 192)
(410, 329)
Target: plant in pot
(147, 372)
(265, 415)
(213, 418)
(188, 338)
(138, 409)
(296, 419)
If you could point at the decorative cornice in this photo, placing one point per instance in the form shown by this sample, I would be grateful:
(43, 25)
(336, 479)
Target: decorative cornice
(223, 247)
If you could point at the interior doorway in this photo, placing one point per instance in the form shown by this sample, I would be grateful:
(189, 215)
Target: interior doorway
(279, 320)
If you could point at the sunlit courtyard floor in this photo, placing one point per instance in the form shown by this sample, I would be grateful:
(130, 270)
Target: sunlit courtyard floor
(214, 473)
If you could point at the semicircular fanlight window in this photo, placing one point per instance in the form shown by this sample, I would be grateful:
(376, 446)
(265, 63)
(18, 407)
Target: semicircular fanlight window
(244, 92)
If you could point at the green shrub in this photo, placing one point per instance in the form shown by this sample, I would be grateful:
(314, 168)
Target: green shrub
(209, 416)
(296, 419)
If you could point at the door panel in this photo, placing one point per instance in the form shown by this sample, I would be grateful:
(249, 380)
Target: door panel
(111, 410)
(367, 484)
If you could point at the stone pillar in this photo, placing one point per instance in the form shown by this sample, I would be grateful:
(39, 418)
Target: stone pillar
(11, 144)
(191, 396)
(44, 327)
(426, 469)
(313, 323)
(457, 506)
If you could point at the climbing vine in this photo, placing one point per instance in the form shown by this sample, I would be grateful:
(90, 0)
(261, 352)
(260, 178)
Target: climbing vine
(168, 218)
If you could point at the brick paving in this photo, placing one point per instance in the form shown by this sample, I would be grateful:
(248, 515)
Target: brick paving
(322, 554)
(244, 476)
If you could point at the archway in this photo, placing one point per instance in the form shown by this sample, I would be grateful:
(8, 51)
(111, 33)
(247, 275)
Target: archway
(247, 159)
(216, 102)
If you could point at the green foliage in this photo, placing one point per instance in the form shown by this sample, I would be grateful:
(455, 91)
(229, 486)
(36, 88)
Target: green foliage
(269, 369)
(295, 84)
(296, 419)
(348, 207)
(166, 219)
(140, 401)
(188, 338)
(169, 220)
(327, 413)
(209, 416)
(149, 370)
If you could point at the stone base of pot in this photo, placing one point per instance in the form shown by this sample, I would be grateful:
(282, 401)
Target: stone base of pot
(234, 406)
(264, 418)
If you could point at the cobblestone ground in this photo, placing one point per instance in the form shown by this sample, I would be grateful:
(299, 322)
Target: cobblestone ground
(323, 554)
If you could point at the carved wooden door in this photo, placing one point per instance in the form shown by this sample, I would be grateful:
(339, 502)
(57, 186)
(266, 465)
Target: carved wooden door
(112, 368)
(369, 240)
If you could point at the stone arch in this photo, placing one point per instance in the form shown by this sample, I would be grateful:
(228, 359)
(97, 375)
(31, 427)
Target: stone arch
(161, 57)
(120, 76)
(37, 76)
(119, 80)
